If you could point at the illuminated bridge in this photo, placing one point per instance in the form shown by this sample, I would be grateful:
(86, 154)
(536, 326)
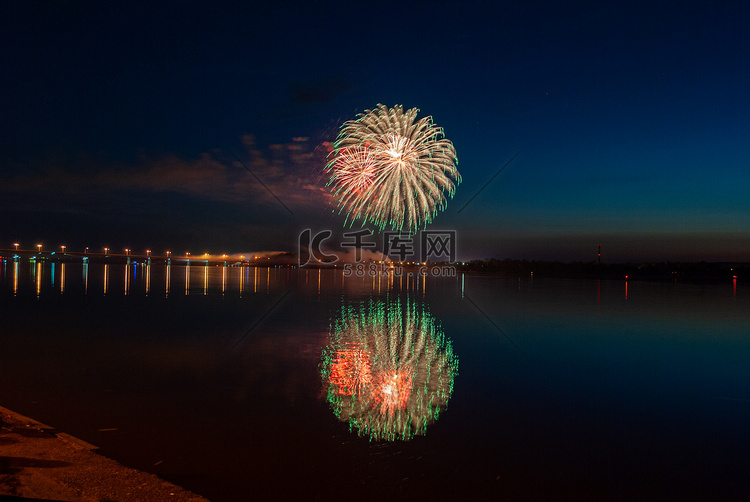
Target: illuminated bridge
(126, 257)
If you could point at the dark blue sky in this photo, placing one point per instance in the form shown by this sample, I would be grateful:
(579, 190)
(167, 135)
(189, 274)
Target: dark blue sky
(122, 119)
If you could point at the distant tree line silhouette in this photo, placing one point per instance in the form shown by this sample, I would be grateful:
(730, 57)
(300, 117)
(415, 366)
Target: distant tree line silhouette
(699, 271)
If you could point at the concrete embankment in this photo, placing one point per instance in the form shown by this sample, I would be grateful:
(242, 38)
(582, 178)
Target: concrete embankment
(38, 462)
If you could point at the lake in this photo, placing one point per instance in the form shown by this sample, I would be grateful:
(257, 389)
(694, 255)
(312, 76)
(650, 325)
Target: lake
(278, 383)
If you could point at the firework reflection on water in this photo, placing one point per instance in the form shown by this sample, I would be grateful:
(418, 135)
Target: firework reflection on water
(388, 369)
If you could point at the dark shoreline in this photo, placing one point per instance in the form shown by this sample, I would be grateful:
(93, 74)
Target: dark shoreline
(699, 272)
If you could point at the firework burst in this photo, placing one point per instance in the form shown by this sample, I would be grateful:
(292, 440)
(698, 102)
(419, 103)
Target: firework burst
(391, 169)
(388, 370)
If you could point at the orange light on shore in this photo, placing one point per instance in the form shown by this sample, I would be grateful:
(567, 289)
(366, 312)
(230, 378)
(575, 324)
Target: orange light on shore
(15, 244)
(39, 247)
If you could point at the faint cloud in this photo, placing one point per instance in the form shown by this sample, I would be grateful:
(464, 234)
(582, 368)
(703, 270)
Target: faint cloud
(292, 171)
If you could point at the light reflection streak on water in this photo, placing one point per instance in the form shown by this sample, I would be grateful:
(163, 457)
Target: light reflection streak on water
(242, 280)
(127, 279)
(187, 279)
(86, 278)
(15, 278)
(148, 278)
(167, 278)
(106, 278)
(38, 278)
(52, 275)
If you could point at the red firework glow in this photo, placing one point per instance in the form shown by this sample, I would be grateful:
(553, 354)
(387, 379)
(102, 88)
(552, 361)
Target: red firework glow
(355, 168)
(351, 371)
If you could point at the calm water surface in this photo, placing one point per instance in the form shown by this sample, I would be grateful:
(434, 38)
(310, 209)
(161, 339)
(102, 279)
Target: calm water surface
(211, 378)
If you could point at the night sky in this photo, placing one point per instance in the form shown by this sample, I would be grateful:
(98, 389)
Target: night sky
(123, 122)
